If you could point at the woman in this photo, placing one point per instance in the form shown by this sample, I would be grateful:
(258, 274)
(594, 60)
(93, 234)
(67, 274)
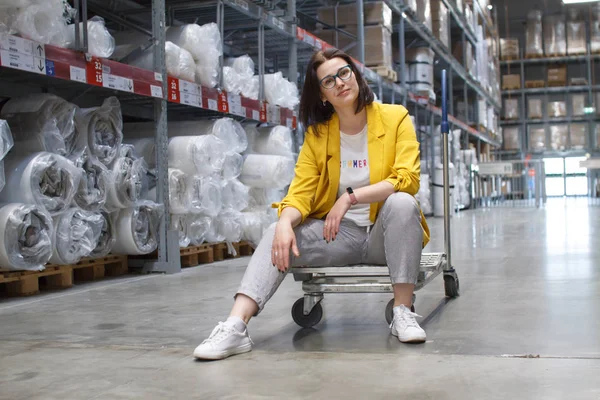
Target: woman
(351, 201)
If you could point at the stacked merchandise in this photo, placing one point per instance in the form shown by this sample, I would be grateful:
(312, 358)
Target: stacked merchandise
(49, 22)
(595, 30)
(576, 34)
(461, 171)
(6, 143)
(67, 188)
(534, 108)
(268, 170)
(420, 62)
(533, 35)
(481, 53)
(468, 158)
(537, 138)
(509, 49)
(555, 36)
(377, 30)
(467, 61)
(511, 138)
(424, 13)
(440, 19)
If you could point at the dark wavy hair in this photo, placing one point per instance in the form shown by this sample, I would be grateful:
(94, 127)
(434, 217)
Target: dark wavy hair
(312, 110)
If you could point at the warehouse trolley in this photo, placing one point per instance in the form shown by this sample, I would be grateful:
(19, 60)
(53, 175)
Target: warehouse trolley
(316, 281)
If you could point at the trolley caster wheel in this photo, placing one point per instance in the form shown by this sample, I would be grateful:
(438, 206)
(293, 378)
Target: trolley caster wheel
(389, 310)
(451, 286)
(306, 321)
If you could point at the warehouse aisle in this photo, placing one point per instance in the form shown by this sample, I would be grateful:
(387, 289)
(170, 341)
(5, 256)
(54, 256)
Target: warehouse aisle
(530, 288)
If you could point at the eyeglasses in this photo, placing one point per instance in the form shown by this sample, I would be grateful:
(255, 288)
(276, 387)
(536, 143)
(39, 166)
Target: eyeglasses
(343, 73)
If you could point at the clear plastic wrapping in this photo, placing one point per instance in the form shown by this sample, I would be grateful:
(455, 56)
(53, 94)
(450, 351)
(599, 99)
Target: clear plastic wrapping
(128, 183)
(420, 66)
(509, 49)
(137, 228)
(205, 195)
(47, 180)
(6, 139)
(93, 185)
(267, 171)
(200, 229)
(44, 21)
(555, 35)
(557, 109)
(511, 108)
(559, 136)
(235, 195)
(179, 195)
(576, 34)
(533, 34)
(229, 225)
(537, 139)
(107, 237)
(424, 12)
(2, 177)
(237, 74)
(179, 61)
(202, 155)
(277, 140)
(424, 195)
(42, 122)
(100, 129)
(534, 109)
(578, 104)
(232, 167)
(512, 138)
(260, 197)
(144, 148)
(179, 223)
(232, 81)
(280, 91)
(76, 233)
(100, 41)
(251, 88)
(579, 133)
(595, 29)
(244, 66)
(27, 237)
(254, 224)
(229, 131)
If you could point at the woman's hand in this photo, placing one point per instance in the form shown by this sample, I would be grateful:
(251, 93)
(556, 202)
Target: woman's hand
(284, 239)
(334, 218)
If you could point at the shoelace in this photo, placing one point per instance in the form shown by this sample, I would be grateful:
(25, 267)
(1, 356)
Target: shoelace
(220, 332)
(405, 317)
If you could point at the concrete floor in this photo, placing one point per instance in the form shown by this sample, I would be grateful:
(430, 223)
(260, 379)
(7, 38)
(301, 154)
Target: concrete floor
(530, 287)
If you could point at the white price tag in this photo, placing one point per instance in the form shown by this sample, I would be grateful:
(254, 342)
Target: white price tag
(156, 91)
(255, 115)
(273, 114)
(189, 99)
(117, 82)
(78, 74)
(15, 44)
(235, 105)
(158, 76)
(188, 87)
(213, 105)
(17, 61)
(289, 123)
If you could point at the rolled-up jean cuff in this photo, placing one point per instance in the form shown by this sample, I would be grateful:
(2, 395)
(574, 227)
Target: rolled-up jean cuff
(260, 303)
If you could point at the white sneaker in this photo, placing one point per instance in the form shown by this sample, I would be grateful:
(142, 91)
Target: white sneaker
(405, 326)
(224, 341)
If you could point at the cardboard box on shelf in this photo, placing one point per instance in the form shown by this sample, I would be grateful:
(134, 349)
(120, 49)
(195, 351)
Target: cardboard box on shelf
(510, 82)
(557, 75)
(576, 34)
(534, 109)
(578, 104)
(509, 49)
(559, 136)
(555, 36)
(533, 35)
(579, 133)
(375, 13)
(424, 13)
(557, 109)
(457, 52)
(378, 44)
(511, 109)
(439, 21)
(512, 138)
(537, 138)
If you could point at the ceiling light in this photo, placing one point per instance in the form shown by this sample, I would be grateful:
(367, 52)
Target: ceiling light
(579, 1)
(490, 6)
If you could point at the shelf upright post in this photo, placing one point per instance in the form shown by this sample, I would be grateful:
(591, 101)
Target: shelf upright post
(525, 108)
(590, 83)
(360, 24)
(261, 60)
(168, 241)
(221, 26)
(402, 52)
(292, 45)
(431, 139)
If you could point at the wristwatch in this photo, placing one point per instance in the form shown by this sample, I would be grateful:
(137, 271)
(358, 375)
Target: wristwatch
(353, 200)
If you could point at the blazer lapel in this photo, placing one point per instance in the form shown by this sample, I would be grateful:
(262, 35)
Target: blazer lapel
(333, 157)
(375, 146)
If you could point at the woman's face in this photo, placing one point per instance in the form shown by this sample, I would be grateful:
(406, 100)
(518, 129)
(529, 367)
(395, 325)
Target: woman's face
(341, 90)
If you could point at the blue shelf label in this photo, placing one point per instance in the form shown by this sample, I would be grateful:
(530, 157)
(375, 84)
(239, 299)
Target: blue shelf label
(50, 68)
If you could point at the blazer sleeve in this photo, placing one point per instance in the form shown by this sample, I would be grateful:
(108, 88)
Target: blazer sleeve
(301, 193)
(406, 171)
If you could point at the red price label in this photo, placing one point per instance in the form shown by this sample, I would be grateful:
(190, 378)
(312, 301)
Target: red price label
(223, 103)
(263, 112)
(294, 122)
(93, 71)
(173, 89)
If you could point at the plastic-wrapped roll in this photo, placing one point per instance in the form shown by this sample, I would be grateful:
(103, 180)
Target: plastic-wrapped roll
(107, 237)
(229, 225)
(235, 195)
(254, 224)
(127, 183)
(137, 229)
(6, 139)
(144, 148)
(47, 180)
(260, 197)
(280, 91)
(199, 229)
(42, 122)
(2, 177)
(27, 237)
(100, 129)
(232, 167)
(180, 63)
(243, 65)
(276, 140)
(93, 185)
(75, 235)
(265, 171)
(205, 195)
(232, 81)
(196, 155)
(179, 195)
(179, 223)
(251, 88)
(100, 41)
(231, 133)
(44, 22)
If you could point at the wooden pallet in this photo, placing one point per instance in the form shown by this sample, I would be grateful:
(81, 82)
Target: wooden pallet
(578, 82)
(195, 255)
(557, 83)
(511, 87)
(555, 55)
(386, 72)
(90, 269)
(535, 84)
(242, 249)
(27, 283)
(509, 58)
(530, 56)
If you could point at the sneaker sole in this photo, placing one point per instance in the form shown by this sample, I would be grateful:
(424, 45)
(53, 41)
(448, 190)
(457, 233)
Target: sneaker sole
(409, 340)
(224, 354)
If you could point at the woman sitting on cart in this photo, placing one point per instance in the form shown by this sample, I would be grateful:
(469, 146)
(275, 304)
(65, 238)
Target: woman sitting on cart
(351, 202)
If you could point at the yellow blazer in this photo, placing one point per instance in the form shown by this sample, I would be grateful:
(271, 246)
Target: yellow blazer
(393, 156)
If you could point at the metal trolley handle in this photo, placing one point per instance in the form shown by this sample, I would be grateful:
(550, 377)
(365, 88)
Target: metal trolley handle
(445, 131)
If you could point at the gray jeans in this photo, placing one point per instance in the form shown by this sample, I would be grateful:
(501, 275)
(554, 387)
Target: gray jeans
(395, 240)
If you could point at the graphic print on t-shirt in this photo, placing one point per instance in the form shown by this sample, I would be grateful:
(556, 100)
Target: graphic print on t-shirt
(353, 164)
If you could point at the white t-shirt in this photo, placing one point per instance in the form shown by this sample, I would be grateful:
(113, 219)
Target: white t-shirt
(354, 172)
